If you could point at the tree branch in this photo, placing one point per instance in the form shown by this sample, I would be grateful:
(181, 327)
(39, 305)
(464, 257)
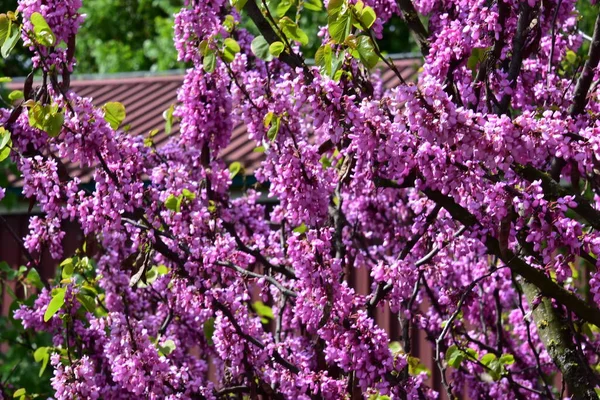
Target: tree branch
(587, 75)
(543, 282)
(418, 30)
(555, 335)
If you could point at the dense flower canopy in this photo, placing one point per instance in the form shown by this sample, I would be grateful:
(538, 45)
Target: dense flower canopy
(471, 196)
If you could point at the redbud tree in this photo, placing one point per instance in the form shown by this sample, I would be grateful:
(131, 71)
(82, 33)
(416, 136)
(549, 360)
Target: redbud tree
(471, 197)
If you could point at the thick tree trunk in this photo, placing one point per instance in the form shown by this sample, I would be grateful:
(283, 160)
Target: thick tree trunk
(555, 334)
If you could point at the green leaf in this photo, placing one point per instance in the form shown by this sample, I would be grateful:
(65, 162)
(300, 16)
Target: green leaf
(230, 49)
(454, 356)
(267, 119)
(19, 392)
(87, 302)
(209, 330)
(46, 118)
(276, 48)
(260, 48)
(15, 95)
(41, 30)
(325, 161)
(188, 194)
(507, 359)
(571, 57)
(203, 47)
(33, 278)
(4, 137)
(478, 55)
(293, 31)
(263, 310)
(365, 51)
(488, 358)
(5, 25)
(300, 229)
(335, 6)
(5, 267)
(415, 367)
(169, 119)
(42, 355)
(340, 26)
(67, 268)
(234, 169)
(114, 113)
(58, 299)
(239, 4)
(313, 5)
(367, 17)
(259, 149)
(5, 79)
(278, 8)
(274, 129)
(173, 203)
(167, 347)
(11, 42)
(396, 347)
(229, 23)
(5, 152)
(210, 61)
(328, 61)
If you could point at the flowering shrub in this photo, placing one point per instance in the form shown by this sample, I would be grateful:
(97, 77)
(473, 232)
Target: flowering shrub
(472, 197)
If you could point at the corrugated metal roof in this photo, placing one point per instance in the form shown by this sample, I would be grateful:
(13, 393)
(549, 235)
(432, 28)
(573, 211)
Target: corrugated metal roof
(147, 97)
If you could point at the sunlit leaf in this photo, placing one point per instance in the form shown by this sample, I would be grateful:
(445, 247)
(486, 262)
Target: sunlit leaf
(58, 300)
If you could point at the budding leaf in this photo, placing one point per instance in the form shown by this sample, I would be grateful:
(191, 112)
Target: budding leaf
(33, 278)
(367, 17)
(46, 118)
(67, 268)
(313, 5)
(15, 95)
(274, 129)
(114, 113)
(230, 49)
(188, 194)
(169, 119)
(278, 8)
(293, 31)
(87, 302)
(263, 311)
(4, 137)
(365, 51)
(340, 26)
(42, 355)
(210, 60)
(5, 152)
(507, 359)
(41, 30)
(58, 300)
(173, 203)
(11, 40)
(260, 48)
(4, 28)
(167, 347)
(234, 169)
(239, 4)
(454, 356)
(300, 229)
(276, 48)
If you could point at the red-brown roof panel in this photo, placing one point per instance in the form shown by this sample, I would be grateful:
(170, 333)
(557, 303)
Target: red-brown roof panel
(146, 98)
